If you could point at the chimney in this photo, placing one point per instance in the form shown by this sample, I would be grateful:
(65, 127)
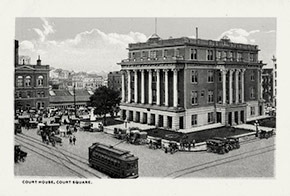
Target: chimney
(38, 62)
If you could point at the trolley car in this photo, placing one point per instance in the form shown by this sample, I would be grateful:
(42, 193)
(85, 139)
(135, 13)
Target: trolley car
(112, 161)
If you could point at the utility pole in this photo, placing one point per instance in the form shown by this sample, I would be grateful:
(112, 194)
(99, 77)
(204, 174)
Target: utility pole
(75, 100)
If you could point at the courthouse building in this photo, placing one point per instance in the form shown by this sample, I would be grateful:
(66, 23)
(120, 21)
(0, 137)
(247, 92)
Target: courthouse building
(182, 83)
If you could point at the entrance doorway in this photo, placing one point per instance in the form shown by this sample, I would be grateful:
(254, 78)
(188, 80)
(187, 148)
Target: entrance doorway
(260, 110)
(237, 117)
(160, 121)
(124, 114)
(145, 118)
(169, 121)
(219, 117)
(137, 118)
(152, 119)
(242, 116)
(230, 118)
(181, 122)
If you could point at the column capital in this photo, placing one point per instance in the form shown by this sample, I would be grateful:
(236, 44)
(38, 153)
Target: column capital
(243, 70)
(175, 70)
(142, 71)
(135, 71)
(165, 71)
(224, 71)
(231, 71)
(128, 71)
(157, 70)
(149, 70)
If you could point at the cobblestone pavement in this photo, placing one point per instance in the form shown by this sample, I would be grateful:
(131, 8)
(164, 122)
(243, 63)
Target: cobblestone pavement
(255, 158)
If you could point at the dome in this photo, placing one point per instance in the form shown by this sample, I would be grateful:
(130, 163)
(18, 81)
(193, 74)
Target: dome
(154, 37)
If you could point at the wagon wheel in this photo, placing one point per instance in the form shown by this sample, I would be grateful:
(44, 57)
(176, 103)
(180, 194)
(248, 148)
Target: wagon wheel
(165, 150)
(267, 136)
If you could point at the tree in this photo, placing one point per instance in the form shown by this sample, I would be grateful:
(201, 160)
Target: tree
(104, 100)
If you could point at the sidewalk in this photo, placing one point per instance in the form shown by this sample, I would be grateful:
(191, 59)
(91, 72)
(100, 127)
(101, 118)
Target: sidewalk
(253, 127)
(201, 128)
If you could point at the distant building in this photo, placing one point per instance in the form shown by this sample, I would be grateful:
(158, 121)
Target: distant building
(24, 60)
(183, 83)
(275, 81)
(65, 98)
(267, 85)
(31, 84)
(115, 80)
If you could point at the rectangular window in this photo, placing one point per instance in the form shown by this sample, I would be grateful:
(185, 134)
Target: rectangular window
(153, 53)
(220, 76)
(194, 77)
(252, 111)
(219, 55)
(165, 53)
(193, 53)
(252, 93)
(239, 56)
(210, 96)
(177, 52)
(252, 75)
(210, 55)
(210, 76)
(194, 97)
(194, 119)
(251, 57)
(210, 117)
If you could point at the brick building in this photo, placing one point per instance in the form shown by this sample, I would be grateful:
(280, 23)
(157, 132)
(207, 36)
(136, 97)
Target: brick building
(182, 83)
(115, 80)
(31, 84)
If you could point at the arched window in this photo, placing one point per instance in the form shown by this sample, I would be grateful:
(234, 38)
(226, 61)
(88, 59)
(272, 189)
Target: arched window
(19, 81)
(28, 81)
(40, 81)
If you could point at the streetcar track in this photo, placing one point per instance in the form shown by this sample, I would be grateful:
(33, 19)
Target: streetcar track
(53, 154)
(222, 163)
(217, 160)
(79, 174)
(42, 144)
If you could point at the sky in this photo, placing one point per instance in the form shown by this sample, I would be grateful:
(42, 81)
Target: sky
(98, 44)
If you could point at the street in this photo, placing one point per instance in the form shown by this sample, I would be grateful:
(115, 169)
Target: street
(255, 158)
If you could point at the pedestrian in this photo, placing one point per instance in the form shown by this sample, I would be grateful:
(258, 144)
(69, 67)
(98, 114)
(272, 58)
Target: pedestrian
(74, 140)
(70, 140)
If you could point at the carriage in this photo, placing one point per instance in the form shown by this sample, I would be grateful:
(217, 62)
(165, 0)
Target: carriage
(172, 147)
(24, 120)
(17, 127)
(154, 142)
(231, 142)
(19, 155)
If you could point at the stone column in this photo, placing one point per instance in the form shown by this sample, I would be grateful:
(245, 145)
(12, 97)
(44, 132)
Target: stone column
(224, 73)
(158, 87)
(123, 87)
(175, 88)
(143, 86)
(135, 86)
(150, 86)
(165, 121)
(237, 85)
(141, 117)
(231, 87)
(129, 86)
(156, 120)
(166, 87)
(242, 85)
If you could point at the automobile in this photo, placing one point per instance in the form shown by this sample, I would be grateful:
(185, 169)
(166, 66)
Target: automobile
(137, 137)
(17, 127)
(120, 134)
(217, 146)
(232, 142)
(266, 134)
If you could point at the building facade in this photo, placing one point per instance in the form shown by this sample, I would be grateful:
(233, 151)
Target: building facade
(183, 83)
(115, 80)
(31, 84)
(267, 85)
(274, 81)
